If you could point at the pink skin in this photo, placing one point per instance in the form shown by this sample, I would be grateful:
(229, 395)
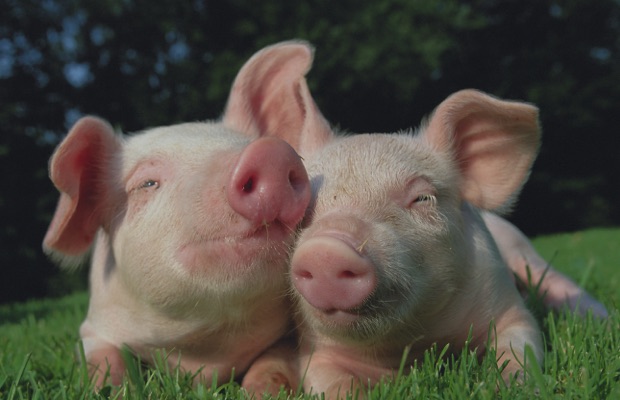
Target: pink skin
(189, 226)
(269, 97)
(267, 172)
(354, 278)
(558, 290)
(395, 252)
(338, 280)
(327, 265)
(269, 183)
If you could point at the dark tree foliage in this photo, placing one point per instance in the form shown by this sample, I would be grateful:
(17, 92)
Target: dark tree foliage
(380, 66)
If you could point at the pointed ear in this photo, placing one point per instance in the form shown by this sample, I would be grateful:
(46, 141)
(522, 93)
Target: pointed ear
(78, 170)
(270, 96)
(494, 144)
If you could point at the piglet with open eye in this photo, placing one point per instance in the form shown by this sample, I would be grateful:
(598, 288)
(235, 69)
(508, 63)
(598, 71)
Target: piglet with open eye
(190, 224)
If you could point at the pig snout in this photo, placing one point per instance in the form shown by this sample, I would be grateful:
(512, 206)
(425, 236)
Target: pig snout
(332, 275)
(269, 183)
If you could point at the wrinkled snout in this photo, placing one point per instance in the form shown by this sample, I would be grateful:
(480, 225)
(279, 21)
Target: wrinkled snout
(331, 274)
(269, 183)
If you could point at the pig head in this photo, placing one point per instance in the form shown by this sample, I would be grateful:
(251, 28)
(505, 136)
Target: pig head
(190, 223)
(395, 253)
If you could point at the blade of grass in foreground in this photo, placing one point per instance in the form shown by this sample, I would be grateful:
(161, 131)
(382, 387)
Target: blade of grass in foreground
(18, 378)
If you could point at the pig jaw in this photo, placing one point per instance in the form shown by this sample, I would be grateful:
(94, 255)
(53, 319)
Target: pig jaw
(214, 341)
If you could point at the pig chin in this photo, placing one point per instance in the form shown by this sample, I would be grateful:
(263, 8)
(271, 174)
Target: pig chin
(365, 325)
(263, 248)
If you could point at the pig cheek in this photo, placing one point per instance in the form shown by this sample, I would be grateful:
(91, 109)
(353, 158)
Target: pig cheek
(438, 256)
(137, 201)
(412, 250)
(213, 232)
(143, 246)
(214, 251)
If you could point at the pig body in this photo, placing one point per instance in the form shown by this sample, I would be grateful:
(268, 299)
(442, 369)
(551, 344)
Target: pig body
(557, 291)
(395, 252)
(191, 224)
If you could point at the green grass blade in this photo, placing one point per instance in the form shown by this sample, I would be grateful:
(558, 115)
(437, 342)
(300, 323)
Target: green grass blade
(18, 378)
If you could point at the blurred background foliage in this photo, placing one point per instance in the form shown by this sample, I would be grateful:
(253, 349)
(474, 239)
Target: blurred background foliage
(380, 66)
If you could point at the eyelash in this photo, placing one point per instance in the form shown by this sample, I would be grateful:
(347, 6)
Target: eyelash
(426, 197)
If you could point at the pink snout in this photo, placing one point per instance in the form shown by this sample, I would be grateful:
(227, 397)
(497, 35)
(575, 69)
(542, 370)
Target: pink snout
(269, 183)
(331, 275)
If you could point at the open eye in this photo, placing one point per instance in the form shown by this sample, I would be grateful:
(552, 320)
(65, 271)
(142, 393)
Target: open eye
(148, 184)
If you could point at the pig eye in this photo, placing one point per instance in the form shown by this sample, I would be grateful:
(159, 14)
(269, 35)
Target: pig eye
(149, 184)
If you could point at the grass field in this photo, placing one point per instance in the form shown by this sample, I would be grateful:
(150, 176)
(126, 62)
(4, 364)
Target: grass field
(38, 338)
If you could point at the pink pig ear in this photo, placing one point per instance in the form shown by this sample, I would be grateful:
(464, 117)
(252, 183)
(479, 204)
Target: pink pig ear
(494, 142)
(77, 169)
(270, 96)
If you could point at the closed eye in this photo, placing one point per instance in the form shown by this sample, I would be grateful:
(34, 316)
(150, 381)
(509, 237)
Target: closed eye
(426, 197)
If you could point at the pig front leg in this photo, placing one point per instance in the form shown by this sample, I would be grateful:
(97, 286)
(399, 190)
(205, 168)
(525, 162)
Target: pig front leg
(105, 365)
(515, 330)
(323, 376)
(339, 371)
(558, 289)
(104, 360)
(274, 369)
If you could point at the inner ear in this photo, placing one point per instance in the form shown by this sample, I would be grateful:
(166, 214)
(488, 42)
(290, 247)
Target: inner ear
(270, 96)
(493, 142)
(78, 169)
(263, 99)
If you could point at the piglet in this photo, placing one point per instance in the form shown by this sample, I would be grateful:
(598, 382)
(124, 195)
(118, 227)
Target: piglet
(190, 226)
(395, 252)
(559, 292)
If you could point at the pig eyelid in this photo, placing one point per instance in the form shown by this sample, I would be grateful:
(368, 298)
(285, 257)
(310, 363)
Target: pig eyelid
(418, 192)
(427, 199)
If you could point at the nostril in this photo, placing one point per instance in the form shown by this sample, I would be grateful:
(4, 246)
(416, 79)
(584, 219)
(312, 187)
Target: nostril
(297, 181)
(304, 274)
(269, 183)
(248, 186)
(346, 274)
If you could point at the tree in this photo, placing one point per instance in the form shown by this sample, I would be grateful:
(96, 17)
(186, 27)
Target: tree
(380, 66)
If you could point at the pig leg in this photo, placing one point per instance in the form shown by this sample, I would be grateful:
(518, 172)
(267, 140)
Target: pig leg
(334, 381)
(105, 365)
(518, 252)
(514, 330)
(104, 360)
(274, 369)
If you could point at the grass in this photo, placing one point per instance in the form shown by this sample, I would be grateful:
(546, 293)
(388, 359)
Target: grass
(38, 340)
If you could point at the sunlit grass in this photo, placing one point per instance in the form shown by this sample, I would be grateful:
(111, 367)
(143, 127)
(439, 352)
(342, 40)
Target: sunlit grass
(39, 351)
